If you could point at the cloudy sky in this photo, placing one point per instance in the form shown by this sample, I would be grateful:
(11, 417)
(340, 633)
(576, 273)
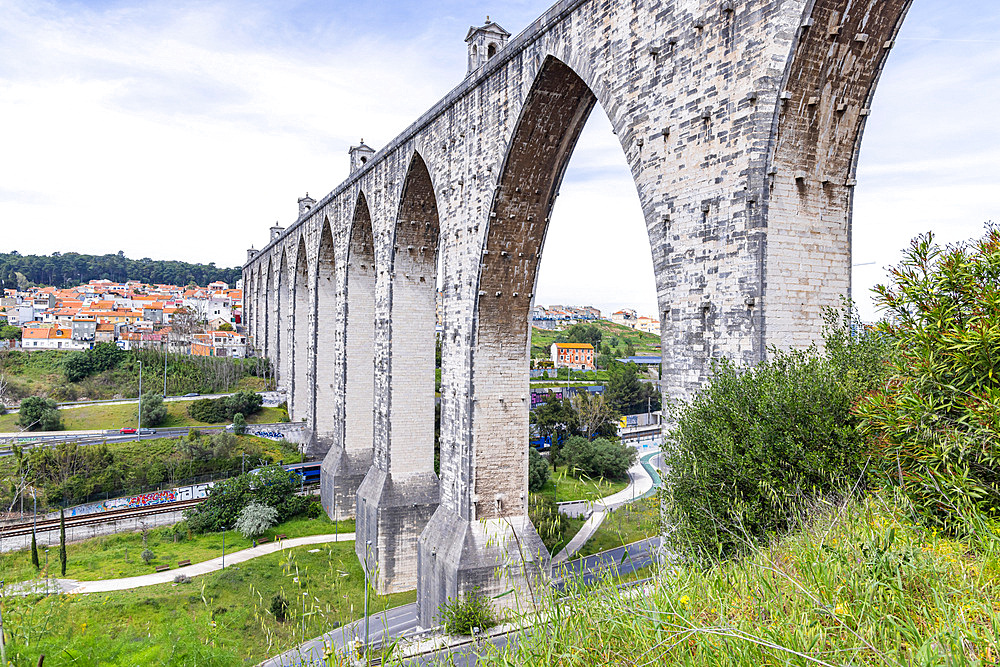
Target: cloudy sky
(183, 130)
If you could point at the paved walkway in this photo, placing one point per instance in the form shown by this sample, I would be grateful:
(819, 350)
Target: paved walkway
(641, 482)
(126, 583)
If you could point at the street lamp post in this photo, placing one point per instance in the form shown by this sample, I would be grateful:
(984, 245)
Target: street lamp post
(138, 431)
(368, 546)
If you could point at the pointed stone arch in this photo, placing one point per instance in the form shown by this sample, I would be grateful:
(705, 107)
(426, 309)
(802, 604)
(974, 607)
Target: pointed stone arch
(271, 316)
(326, 400)
(484, 522)
(283, 346)
(400, 491)
(349, 459)
(300, 394)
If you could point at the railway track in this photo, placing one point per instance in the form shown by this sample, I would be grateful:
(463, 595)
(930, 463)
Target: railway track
(16, 529)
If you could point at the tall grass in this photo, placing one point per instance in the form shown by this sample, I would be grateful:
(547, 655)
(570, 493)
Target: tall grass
(863, 585)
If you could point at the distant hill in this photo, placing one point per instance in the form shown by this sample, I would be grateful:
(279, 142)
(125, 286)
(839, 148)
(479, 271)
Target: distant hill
(71, 268)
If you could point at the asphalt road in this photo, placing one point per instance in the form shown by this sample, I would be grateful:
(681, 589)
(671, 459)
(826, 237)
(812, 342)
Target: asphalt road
(401, 622)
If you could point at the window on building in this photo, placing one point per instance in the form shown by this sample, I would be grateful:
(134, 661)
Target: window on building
(491, 50)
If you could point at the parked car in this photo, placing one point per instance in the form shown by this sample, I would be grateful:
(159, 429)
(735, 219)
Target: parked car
(128, 430)
(191, 394)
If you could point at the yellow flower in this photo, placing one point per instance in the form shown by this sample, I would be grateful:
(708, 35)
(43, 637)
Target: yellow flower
(684, 600)
(840, 610)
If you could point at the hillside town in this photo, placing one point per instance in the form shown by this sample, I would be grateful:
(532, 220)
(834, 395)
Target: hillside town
(190, 319)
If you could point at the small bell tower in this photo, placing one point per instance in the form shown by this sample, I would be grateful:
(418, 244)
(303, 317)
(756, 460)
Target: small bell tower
(360, 155)
(484, 43)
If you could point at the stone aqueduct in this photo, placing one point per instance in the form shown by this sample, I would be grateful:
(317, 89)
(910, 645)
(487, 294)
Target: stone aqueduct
(741, 122)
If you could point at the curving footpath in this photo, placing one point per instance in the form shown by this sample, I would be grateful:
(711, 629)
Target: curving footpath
(204, 567)
(643, 479)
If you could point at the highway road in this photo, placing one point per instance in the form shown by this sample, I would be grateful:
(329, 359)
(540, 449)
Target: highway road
(401, 622)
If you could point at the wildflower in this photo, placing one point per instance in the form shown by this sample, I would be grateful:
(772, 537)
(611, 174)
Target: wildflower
(684, 600)
(840, 610)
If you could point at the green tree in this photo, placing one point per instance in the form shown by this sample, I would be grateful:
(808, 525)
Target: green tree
(584, 333)
(239, 424)
(627, 394)
(598, 458)
(10, 333)
(254, 519)
(153, 410)
(555, 419)
(936, 422)
(225, 326)
(272, 486)
(62, 541)
(39, 414)
(34, 552)
(538, 470)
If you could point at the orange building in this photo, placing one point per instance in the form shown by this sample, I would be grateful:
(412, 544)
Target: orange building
(579, 356)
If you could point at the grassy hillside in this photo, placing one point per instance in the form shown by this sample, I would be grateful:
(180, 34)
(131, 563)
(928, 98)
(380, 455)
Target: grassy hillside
(222, 618)
(41, 374)
(615, 336)
(93, 417)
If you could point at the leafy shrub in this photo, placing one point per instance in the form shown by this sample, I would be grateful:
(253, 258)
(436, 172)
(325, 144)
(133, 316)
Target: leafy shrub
(279, 607)
(472, 611)
(254, 519)
(102, 357)
(755, 447)
(212, 411)
(39, 414)
(153, 410)
(147, 556)
(271, 486)
(598, 458)
(936, 423)
(538, 470)
(181, 578)
(239, 424)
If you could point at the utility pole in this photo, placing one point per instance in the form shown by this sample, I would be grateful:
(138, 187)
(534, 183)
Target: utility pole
(138, 431)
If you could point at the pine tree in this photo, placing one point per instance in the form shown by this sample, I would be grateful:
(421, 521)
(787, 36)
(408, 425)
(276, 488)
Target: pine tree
(62, 541)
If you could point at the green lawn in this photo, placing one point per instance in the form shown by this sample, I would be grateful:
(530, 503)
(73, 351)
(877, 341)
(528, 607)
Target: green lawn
(564, 486)
(94, 417)
(627, 524)
(116, 556)
(222, 618)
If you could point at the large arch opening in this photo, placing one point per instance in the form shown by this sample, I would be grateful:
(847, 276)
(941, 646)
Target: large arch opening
(414, 321)
(359, 380)
(325, 410)
(554, 115)
(283, 345)
(271, 316)
(350, 456)
(300, 324)
(486, 521)
(400, 492)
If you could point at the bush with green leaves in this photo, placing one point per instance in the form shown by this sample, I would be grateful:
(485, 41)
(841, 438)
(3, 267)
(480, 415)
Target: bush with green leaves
(255, 519)
(213, 411)
(102, 357)
(756, 447)
(603, 458)
(472, 612)
(239, 424)
(147, 556)
(936, 423)
(279, 607)
(272, 486)
(39, 414)
(538, 470)
(153, 410)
